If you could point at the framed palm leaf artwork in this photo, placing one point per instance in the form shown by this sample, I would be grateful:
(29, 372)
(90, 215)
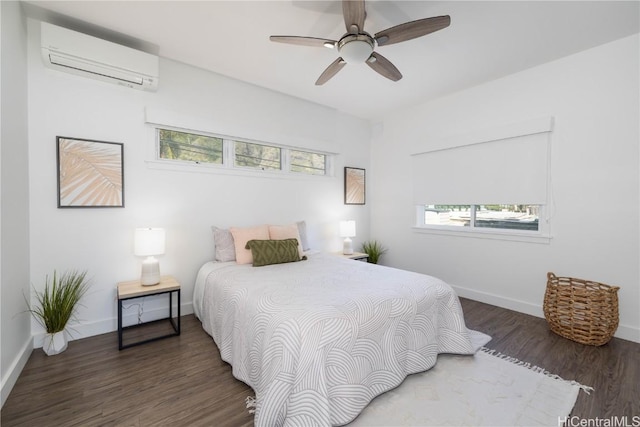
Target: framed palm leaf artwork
(354, 186)
(90, 173)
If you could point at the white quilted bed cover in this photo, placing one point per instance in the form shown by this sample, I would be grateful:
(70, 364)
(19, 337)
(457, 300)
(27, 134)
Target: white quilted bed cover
(317, 340)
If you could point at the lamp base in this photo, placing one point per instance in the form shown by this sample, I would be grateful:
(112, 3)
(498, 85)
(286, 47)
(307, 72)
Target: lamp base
(150, 272)
(347, 248)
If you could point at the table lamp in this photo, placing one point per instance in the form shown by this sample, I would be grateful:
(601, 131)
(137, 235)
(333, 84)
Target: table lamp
(149, 242)
(347, 230)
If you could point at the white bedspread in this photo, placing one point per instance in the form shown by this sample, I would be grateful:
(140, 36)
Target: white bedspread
(317, 340)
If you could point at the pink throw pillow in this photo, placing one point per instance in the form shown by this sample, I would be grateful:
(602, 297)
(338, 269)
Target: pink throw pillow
(281, 232)
(240, 238)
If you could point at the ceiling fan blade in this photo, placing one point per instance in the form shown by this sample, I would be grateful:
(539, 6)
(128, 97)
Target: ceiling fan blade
(304, 41)
(331, 71)
(384, 67)
(354, 14)
(412, 30)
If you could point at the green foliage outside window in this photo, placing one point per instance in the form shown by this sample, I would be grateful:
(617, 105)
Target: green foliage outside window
(177, 145)
(310, 163)
(257, 156)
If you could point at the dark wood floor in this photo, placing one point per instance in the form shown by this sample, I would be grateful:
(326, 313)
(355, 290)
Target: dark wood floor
(181, 381)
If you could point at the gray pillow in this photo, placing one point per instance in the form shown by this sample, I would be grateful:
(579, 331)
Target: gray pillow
(225, 248)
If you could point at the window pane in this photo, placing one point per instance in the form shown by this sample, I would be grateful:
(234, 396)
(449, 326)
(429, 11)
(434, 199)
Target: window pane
(189, 147)
(506, 217)
(311, 163)
(456, 215)
(512, 217)
(257, 156)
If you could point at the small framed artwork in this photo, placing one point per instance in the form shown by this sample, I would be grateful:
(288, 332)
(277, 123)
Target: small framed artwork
(90, 173)
(354, 184)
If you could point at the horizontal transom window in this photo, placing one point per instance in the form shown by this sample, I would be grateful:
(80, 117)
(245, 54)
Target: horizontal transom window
(196, 148)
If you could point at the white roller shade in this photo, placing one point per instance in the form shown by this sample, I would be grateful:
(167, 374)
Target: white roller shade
(510, 170)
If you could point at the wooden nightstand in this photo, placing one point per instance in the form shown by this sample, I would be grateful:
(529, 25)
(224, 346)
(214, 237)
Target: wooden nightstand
(359, 256)
(133, 289)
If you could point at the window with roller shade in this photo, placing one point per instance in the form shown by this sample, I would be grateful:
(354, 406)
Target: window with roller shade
(497, 184)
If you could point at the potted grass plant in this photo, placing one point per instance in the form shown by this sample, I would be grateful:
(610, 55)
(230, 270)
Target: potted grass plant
(374, 250)
(56, 305)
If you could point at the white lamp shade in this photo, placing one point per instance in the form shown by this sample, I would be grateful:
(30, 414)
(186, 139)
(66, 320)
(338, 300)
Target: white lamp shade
(149, 241)
(347, 228)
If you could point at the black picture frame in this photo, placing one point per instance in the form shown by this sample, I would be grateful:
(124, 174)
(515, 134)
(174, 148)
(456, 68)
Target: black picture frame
(354, 186)
(90, 173)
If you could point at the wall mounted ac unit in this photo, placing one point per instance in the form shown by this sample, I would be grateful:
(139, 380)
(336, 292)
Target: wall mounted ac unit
(88, 56)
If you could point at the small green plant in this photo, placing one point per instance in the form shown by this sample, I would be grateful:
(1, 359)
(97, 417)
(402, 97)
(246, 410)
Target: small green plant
(374, 250)
(57, 303)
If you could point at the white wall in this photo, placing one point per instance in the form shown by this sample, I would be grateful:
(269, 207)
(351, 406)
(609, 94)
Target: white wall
(15, 346)
(594, 98)
(186, 204)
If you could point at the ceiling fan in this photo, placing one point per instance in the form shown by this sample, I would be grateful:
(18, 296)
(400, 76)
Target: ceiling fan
(357, 46)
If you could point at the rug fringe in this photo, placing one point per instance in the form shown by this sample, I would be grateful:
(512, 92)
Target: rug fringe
(251, 403)
(534, 368)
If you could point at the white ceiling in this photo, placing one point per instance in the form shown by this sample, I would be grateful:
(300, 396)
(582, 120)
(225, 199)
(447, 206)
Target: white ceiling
(486, 40)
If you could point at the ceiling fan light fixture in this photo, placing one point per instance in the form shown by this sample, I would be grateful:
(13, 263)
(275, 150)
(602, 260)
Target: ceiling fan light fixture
(355, 48)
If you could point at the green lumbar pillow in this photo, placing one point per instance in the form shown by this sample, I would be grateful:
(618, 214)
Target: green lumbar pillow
(267, 252)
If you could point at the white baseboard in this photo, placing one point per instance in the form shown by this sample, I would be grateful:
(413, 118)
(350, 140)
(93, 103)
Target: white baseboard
(85, 330)
(14, 371)
(624, 332)
(628, 333)
(500, 301)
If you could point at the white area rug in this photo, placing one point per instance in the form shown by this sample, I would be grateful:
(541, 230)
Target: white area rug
(482, 390)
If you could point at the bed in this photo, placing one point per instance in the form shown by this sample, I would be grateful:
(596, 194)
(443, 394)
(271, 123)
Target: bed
(318, 339)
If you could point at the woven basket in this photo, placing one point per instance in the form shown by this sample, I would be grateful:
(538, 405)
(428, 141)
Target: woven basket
(581, 310)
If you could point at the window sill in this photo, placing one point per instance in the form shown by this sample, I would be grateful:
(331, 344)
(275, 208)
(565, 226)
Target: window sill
(486, 234)
(179, 166)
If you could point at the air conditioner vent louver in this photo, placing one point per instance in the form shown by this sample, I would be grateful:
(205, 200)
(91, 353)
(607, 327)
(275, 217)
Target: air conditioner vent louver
(88, 56)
